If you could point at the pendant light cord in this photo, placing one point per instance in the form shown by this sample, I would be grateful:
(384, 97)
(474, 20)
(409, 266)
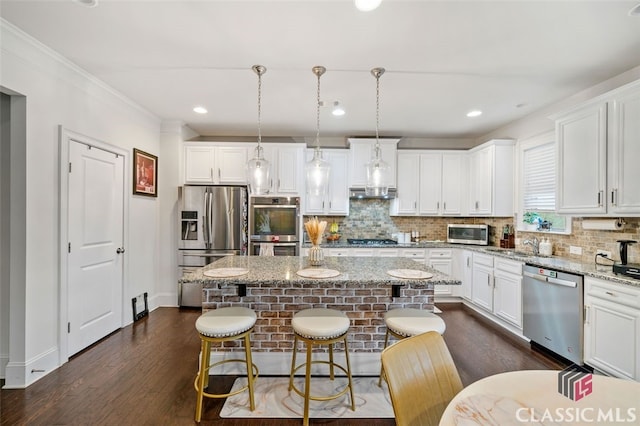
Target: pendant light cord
(377, 72)
(259, 108)
(318, 113)
(259, 69)
(377, 111)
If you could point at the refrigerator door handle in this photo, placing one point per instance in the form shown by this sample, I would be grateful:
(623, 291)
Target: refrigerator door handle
(205, 219)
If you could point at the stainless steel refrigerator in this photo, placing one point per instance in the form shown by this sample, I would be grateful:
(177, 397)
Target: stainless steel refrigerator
(213, 224)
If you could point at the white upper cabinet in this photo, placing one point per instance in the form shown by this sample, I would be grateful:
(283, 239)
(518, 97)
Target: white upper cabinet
(581, 139)
(206, 163)
(287, 167)
(598, 147)
(430, 183)
(336, 201)
(406, 201)
(624, 153)
(454, 179)
(491, 179)
(362, 150)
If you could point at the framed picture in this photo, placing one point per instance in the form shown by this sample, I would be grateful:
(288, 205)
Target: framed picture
(145, 173)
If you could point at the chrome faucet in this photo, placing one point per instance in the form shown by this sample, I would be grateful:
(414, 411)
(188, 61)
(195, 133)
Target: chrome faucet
(535, 245)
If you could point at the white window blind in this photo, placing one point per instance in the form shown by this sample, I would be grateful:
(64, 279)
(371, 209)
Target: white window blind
(539, 173)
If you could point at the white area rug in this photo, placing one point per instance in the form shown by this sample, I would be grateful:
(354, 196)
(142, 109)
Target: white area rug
(273, 399)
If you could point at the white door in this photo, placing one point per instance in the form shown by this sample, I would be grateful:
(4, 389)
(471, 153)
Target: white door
(95, 264)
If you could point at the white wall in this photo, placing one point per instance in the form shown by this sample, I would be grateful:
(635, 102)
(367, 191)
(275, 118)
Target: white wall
(171, 138)
(59, 93)
(539, 122)
(4, 230)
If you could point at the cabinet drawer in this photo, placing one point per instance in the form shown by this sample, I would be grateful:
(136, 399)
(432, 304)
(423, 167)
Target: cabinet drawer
(608, 290)
(440, 254)
(338, 252)
(388, 252)
(507, 265)
(414, 253)
(362, 252)
(482, 259)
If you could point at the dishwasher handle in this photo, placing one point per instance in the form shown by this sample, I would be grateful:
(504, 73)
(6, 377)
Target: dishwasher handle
(551, 280)
(537, 277)
(565, 283)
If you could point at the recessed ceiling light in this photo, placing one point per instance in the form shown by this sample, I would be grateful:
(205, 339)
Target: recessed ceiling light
(337, 110)
(635, 11)
(87, 3)
(200, 110)
(367, 5)
(474, 113)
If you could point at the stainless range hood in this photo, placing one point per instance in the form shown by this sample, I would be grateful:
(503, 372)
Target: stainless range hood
(360, 194)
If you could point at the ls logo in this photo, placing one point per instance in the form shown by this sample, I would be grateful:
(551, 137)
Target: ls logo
(575, 382)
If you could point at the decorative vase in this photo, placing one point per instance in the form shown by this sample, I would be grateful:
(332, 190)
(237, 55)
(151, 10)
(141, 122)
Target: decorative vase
(316, 256)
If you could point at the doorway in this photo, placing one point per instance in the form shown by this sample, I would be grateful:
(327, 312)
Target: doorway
(13, 166)
(92, 240)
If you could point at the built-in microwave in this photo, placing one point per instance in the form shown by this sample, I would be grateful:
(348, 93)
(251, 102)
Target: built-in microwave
(468, 234)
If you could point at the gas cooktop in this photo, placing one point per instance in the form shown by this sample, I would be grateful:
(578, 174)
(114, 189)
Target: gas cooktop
(372, 241)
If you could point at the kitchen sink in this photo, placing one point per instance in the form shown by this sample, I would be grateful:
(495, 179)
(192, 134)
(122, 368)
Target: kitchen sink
(508, 252)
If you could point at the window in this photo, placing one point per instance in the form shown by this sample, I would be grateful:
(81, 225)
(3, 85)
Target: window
(538, 187)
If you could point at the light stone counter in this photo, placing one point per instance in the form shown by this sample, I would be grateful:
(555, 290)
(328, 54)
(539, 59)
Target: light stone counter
(572, 266)
(281, 271)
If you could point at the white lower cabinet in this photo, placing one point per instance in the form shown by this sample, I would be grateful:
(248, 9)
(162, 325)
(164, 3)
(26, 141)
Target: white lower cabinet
(612, 328)
(507, 292)
(337, 252)
(465, 273)
(363, 252)
(419, 255)
(482, 281)
(441, 260)
(497, 287)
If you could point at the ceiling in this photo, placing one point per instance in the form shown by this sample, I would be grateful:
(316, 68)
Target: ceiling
(443, 59)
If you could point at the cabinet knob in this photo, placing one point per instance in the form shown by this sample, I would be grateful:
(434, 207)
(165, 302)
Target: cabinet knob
(120, 250)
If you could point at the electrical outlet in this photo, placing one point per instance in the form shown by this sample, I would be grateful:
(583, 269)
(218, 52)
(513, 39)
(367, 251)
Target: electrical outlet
(605, 253)
(575, 250)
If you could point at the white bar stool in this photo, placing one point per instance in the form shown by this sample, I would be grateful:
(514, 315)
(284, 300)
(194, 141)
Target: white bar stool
(320, 326)
(407, 322)
(223, 325)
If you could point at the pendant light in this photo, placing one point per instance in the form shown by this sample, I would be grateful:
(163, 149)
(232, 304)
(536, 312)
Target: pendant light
(258, 166)
(317, 170)
(377, 169)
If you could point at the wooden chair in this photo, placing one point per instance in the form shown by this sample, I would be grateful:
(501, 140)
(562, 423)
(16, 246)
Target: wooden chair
(422, 379)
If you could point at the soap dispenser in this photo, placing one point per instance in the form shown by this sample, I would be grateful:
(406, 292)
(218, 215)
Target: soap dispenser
(546, 249)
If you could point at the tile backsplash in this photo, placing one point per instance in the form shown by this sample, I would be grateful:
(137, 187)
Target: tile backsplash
(370, 219)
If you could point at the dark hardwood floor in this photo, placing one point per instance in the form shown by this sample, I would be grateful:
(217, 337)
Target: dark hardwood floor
(143, 375)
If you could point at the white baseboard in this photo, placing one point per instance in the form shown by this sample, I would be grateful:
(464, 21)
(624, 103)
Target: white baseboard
(163, 300)
(19, 375)
(279, 363)
(4, 360)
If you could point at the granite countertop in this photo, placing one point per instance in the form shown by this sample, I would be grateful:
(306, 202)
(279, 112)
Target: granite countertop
(604, 272)
(281, 270)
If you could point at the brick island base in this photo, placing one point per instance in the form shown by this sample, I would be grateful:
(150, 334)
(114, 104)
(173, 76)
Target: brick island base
(272, 338)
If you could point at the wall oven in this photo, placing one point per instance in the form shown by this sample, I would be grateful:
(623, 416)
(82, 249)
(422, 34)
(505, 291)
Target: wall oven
(274, 224)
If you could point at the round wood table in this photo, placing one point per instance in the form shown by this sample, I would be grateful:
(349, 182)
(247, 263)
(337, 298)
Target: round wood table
(536, 397)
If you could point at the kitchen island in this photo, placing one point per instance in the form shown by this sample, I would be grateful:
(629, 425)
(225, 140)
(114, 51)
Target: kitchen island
(271, 286)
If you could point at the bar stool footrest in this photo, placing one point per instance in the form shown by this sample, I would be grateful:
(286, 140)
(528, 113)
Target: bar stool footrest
(254, 369)
(324, 397)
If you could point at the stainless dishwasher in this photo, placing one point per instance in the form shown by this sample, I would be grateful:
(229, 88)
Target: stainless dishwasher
(552, 314)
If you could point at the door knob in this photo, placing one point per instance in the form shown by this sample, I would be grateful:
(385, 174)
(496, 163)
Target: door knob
(120, 250)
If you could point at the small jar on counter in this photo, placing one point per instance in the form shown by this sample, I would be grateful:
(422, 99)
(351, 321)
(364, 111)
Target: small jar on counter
(546, 248)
